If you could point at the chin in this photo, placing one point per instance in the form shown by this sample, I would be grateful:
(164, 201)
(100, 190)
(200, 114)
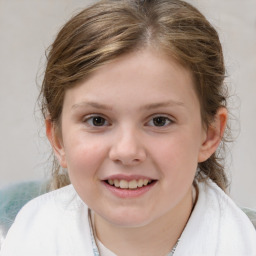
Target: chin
(128, 219)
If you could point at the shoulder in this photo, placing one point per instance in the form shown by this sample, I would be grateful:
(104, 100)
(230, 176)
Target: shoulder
(49, 205)
(235, 230)
(229, 209)
(48, 224)
(217, 226)
(50, 209)
(63, 199)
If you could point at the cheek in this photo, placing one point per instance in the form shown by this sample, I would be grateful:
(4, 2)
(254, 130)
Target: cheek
(177, 155)
(84, 158)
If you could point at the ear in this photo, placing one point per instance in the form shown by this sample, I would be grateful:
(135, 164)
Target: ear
(56, 142)
(213, 135)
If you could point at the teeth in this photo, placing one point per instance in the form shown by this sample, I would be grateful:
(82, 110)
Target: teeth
(145, 182)
(133, 184)
(117, 183)
(140, 183)
(124, 184)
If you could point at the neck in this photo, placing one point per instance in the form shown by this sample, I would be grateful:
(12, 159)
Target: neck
(156, 238)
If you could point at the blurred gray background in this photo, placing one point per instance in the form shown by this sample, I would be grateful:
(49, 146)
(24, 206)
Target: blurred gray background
(28, 27)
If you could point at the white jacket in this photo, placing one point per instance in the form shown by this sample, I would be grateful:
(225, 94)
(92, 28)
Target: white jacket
(57, 224)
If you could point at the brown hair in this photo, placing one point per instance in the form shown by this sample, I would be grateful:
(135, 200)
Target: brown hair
(110, 28)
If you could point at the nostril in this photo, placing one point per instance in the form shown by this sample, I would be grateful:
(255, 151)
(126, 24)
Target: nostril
(128, 162)
(127, 158)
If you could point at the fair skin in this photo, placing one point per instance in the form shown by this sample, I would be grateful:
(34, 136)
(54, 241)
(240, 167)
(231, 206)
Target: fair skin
(136, 119)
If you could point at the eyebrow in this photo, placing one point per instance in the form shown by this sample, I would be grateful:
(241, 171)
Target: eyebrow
(91, 104)
(163, 104)
(146, 107)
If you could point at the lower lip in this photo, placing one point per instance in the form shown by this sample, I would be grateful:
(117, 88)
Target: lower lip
(129, 193)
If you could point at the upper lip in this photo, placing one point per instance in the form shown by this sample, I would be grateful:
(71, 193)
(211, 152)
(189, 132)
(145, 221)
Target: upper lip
(127, 177)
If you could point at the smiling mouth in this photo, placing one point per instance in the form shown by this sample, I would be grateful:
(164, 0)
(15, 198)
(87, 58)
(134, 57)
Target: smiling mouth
(133, 184)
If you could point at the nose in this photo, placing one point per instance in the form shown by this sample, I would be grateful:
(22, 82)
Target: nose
(127, 148)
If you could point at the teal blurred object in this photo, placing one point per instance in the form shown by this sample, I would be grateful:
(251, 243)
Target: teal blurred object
(251, 214)
(14, 197)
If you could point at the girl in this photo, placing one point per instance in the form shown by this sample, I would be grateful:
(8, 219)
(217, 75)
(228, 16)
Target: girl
(135, 109)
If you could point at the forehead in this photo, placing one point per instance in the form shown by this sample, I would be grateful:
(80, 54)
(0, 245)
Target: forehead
(142, 77)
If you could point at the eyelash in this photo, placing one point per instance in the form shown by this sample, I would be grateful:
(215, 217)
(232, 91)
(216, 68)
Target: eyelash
(92, 119)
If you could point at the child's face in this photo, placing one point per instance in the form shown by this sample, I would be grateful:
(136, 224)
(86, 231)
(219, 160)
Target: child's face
(134, 120)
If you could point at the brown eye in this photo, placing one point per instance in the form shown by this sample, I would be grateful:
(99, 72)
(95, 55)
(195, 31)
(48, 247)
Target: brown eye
(96, 121)
(159, 121)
